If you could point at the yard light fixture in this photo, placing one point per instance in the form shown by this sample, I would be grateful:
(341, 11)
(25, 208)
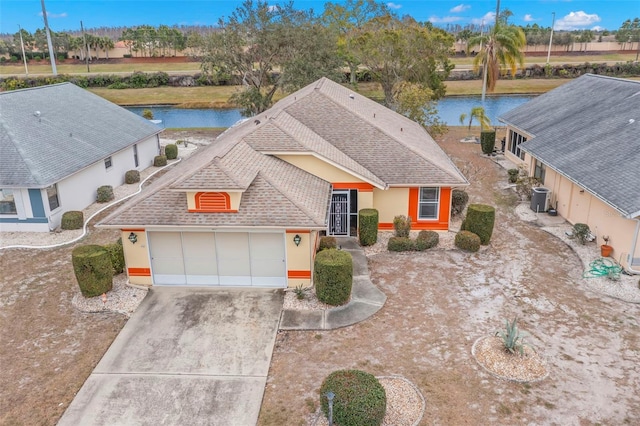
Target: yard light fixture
(133, 238)
(297, 239)
(330, 396)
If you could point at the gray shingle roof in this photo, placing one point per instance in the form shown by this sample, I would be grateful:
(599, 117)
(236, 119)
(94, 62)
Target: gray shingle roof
(323, 119)
(588, 130)
(73, 129)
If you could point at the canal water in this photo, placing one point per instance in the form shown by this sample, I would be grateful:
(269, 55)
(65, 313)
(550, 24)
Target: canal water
(449, 110)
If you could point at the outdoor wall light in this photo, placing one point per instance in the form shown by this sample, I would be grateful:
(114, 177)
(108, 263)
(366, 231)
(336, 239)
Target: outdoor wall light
(297, 239)
(133, 238)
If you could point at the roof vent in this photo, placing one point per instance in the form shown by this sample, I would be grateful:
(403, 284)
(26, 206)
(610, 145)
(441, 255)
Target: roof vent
(37, 113)
(351, 95)
(256, 122)
(631, 121)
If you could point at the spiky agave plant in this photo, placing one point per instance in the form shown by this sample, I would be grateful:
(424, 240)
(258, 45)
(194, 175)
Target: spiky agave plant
(512, 337)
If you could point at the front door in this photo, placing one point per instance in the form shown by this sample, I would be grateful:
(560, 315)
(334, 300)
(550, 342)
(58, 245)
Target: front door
(339, 213)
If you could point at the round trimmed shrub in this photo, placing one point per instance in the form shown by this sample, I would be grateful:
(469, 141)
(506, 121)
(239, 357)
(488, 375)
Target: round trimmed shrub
(360, 399)
(402, 225)
(487, 141)
(459, 200)
(327, 243)
(333, 276)
(131, 176)
(368, 220)
(105, 193)
(426, 240)
(93, 269)
(116, 254)
(480, 219)
(160, 160)
(467, 241)
(72, 219)
(171, 151)
(513, 175)
(400, 244)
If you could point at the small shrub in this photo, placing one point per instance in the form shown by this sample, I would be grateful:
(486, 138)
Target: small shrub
(37, 58)
(402, 226)
(131, 176)
(171, 151)
(426, 240)
(333, 276)
(327, 243)
(105, 194)
(368, 220)
(512, 337)
(488, 141)
(480, 220)
(72, 220)
(513, 175)
(400, 244)
(116, 253)
(147, 113)
(525, 183)
(467, 241)
(581, 232)
(360, 399)
(93, 269)
(300, 292)
(459, 200)
(160, 161)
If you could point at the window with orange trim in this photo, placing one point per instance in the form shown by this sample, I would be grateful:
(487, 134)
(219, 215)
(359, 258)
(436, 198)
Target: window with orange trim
(428, 203)
(212, 201)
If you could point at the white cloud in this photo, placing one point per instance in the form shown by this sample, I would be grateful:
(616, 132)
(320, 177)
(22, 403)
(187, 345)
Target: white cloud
(528, 18)
(394, 6)
(460, 8)
(55, 15)
(576, 21)
(489, 18)
(273, 8)
(444, 19)
(598, 28)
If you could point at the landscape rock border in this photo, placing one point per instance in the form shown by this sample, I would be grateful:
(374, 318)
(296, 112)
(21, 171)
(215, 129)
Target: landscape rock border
(529, 352)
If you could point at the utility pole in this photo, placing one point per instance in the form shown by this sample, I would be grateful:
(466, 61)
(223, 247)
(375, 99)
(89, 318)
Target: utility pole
(52, 53)
(553, 22)
(24, 58)
(84, 38)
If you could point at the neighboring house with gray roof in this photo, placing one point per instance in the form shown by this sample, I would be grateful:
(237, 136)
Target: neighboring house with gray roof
(583, 141)
(250, 208)
(59, 143)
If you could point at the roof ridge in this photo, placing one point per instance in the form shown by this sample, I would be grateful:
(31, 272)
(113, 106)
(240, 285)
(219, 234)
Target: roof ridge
(48, 86)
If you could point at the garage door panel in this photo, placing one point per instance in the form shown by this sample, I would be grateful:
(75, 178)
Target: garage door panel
(166, 258)
(233, 257)
(267, 255)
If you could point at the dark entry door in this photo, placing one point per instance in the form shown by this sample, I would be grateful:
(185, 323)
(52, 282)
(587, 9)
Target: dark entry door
(339, 214)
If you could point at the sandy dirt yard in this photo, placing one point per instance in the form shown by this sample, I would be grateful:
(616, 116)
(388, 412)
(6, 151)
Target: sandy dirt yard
(439, 302)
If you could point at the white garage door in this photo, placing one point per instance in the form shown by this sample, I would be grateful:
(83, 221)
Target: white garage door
(218, 258)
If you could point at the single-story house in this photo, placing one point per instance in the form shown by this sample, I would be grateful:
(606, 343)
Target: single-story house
(59, 143)
(249, 209)
(582, 140)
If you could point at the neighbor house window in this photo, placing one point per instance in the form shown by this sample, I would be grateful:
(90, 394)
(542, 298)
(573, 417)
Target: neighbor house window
(135, 154)
(539, 170)
(428, 203)
(7, 202)
(52, 196)
(514, 144)
(107, 163)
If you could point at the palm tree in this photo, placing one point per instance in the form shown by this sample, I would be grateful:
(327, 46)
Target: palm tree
(501, 48)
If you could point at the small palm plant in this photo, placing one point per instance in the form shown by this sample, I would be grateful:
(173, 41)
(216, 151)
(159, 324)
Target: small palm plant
(512, 337)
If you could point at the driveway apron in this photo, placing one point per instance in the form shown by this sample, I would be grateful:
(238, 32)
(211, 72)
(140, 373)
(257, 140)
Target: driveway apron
(187, 356)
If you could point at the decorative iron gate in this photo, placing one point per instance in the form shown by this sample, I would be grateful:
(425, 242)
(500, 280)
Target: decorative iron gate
(339, 214)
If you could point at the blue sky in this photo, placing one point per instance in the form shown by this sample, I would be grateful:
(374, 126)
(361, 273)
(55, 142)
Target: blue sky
(67, 14)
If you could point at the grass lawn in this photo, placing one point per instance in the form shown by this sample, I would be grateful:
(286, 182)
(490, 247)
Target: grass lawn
(563, 59)
(43, 67)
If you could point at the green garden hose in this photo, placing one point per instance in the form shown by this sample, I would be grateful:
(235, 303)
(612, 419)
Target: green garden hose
(603, 268)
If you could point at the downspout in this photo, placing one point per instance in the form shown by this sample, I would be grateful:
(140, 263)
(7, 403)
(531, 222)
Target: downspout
(634, 244)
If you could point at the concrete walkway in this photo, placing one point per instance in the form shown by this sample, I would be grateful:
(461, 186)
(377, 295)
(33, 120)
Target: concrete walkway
(365, 301)
(187, 356)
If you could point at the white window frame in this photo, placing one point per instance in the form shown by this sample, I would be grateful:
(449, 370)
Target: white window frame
(515, 140)
(435, 202)
(57, 195)
(10, 192)
(108, 163)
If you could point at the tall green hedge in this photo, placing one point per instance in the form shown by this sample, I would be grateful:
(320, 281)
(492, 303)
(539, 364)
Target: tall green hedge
(480, 220)
(93, 269)
(73, 219)
(487, 141)
(116, 254)
(359, 398)
(171, 151)
(368, 220)
(333, 276)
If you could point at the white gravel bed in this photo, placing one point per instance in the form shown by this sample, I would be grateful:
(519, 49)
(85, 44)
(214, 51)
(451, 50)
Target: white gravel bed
(405, 404)
(445, 242)
(122, 298)
(309, 302)
(490, 353)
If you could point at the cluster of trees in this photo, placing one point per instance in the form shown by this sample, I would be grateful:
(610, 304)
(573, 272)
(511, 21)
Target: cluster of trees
(150, 41)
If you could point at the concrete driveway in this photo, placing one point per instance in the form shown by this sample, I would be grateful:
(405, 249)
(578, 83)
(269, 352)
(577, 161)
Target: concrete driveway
(187, 356)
